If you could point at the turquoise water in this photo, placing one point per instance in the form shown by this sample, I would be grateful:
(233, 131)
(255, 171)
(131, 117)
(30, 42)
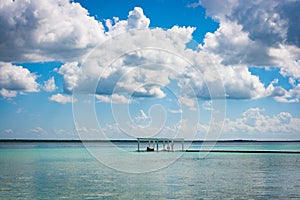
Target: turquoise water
(68, 171)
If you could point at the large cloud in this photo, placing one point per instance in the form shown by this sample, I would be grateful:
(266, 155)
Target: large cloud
(56, 30)
(15, 79)
(60, 30)
(256, 33)
(269, 22)
(141, 63)
(46, 30)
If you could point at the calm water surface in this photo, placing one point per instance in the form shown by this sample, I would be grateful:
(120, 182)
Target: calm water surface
(68, 171)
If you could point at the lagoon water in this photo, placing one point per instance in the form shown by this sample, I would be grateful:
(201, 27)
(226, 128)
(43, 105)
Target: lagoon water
(69, 171)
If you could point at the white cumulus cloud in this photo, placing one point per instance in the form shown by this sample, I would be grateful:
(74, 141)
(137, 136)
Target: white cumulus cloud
(114, 98)
(258, 33)
(46, 30)
(61, 98)
(14, 79)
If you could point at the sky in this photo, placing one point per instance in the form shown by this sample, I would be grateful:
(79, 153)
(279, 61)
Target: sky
(205, 69)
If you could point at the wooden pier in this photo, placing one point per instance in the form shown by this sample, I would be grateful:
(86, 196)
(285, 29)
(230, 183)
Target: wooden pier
(166, 144)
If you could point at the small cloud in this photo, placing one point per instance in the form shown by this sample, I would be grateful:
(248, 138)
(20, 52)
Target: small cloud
(188, 101)
(103, 98)
(19, 110)
(175, 111)
(194, 4)
(63, 99)
(9, 131)
(37, 130)
(114, 98)
(151, 91)
(8, 93)
(49, 85)
(64, 132)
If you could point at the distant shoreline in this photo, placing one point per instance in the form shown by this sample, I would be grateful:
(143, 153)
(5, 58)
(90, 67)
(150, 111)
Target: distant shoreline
(133, 140)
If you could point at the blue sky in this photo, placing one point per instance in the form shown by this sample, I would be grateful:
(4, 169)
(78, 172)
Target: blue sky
(119, 70)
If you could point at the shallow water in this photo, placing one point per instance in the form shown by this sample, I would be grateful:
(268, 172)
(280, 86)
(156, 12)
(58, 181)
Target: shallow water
(67, 170)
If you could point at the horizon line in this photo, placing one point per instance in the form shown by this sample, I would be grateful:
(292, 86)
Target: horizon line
(135, 140)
